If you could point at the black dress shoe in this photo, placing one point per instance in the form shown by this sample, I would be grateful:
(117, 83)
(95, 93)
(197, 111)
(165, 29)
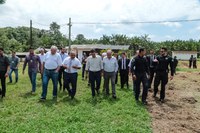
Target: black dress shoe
(144, 102)
(114, 96)
(162, 100)
(42, 99)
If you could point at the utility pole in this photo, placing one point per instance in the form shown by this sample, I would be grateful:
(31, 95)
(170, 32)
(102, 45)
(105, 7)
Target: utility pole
(70, 25)
(31, 38)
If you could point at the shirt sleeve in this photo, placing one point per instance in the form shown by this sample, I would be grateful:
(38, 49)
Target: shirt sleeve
(59, 60)
(79, 63)
(25, 62)
(116, 65)
(87, 66)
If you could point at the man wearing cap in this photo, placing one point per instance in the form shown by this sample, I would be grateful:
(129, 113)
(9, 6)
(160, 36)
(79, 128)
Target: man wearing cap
(14, 64)
(33, 60)
(4, 70)
(95, 66)
(50, 70)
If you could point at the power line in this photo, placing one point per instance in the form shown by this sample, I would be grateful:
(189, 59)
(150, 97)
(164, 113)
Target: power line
(137, 22)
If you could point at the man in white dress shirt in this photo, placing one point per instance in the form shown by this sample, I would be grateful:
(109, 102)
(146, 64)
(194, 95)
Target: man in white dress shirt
(51, 66)
(110, 66)
(71, 66)
(95, 66)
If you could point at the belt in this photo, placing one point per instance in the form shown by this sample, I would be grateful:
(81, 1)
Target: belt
(50, 69)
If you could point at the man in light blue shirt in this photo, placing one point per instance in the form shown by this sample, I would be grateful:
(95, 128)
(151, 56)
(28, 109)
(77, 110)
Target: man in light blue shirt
(51, 66)
(110, 66)
(71, 66)
(63, 55)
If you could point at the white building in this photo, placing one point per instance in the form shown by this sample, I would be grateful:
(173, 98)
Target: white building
(81, 49)
(184, 55)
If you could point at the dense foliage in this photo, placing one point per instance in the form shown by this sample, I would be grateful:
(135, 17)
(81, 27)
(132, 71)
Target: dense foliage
(19, 38)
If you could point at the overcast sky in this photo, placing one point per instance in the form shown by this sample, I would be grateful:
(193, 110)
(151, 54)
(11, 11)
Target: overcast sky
(19, 12)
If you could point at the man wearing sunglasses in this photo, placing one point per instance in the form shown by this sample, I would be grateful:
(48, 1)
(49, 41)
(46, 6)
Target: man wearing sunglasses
(162, 70)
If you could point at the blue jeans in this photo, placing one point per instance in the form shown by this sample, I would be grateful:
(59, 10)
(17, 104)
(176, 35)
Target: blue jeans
(32, 76)
(49, 74)
(71, 78)
(16, 74)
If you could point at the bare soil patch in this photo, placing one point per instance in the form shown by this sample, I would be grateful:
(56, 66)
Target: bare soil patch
(181, 111)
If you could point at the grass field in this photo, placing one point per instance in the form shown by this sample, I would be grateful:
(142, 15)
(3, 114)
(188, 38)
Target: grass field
(22, 112)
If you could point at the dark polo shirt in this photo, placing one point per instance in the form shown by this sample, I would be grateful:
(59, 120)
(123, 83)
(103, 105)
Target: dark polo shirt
(4, 63)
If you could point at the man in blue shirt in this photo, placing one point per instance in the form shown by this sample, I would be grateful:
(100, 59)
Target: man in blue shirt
(14, 63)
(63, 55)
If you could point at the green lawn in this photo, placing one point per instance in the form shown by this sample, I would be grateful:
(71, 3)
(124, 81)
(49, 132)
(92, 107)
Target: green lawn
(22, 112)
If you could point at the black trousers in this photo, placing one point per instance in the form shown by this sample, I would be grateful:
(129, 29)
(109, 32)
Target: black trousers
(152, 71)
(163, 78)
(83, 70)
(3, 83)
(95, 80)
(124, 78)
(141, 77)
(71, 78)
(60, 75)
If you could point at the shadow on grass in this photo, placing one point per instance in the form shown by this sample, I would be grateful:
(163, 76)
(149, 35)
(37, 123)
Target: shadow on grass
(48, 102)
(72, 102)
(27, 95)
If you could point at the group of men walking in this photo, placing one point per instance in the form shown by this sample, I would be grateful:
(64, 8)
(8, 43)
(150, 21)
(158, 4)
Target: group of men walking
(57, 66)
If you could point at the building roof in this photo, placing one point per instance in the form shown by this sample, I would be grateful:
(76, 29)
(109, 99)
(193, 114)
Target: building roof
(101, 46)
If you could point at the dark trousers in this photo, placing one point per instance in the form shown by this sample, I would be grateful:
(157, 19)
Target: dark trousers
(190, 64)
(152, 71)
(124, 78)
(163, 78)
(116, 77)
(60, 75)
(141, 77)
(95, 80)
(3, 82)
(71, 78)
(83, 70)
(107, 77)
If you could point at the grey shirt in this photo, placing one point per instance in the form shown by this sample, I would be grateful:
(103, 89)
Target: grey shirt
(14, 61)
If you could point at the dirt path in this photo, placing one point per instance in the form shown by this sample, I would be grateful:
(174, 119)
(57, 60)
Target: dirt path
(181, 111)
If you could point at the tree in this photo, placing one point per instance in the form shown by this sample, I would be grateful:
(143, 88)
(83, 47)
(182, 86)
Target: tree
(80, 39)
(2, 1)
(56, 35)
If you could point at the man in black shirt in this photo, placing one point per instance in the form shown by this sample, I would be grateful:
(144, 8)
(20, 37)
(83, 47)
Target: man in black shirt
(140, 72)
(162, 70)
(4, 71)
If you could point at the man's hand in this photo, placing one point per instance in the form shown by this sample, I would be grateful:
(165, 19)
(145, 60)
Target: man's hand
(148, 76)
(171, 77)
(134, 77)
(6, 75)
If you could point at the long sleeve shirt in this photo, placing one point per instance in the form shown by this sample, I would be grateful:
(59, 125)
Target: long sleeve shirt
(139, 65)
(110, 65)
(163, 64)
(94, 64)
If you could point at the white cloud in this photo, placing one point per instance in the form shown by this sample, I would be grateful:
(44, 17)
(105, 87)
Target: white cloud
(19, 12)
(172, 24)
